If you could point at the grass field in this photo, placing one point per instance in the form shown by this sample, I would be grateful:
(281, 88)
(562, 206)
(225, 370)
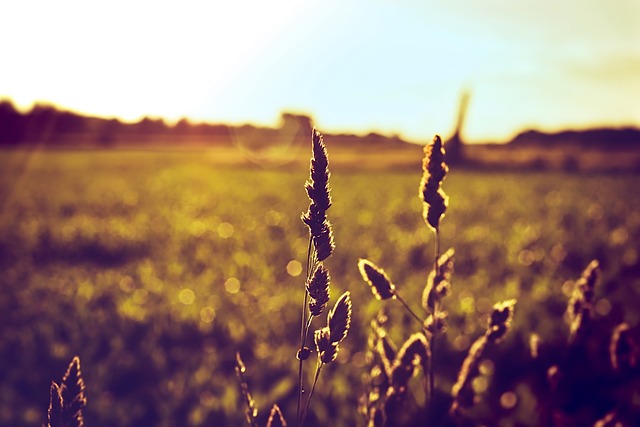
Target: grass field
(156, 267)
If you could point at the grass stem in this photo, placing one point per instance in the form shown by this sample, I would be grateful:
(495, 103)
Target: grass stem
(315, 381)
(304, 325)
(432, 344)
(413, 313)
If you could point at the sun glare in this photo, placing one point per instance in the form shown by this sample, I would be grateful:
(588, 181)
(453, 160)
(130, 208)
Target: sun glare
(355, 66)
(134, 58)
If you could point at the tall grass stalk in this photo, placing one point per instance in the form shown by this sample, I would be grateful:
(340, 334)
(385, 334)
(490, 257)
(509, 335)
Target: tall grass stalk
(321, 246)
(434, 205)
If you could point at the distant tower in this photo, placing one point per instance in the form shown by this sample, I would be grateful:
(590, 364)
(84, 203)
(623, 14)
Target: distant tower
(454, 145)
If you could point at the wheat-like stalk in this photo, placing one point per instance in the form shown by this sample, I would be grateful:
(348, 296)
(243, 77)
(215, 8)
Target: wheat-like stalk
(321, 246)
(386, 349)
(67, 400)
(319, 194)
(318, 289)
(72, 390)
(499, 324)
(339, 318)
(435, 201)
(580, 304)
(434, 206)
(328, 338)
(381, 286)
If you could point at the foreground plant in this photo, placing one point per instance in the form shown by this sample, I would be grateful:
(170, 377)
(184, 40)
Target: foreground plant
(580, 306)
(67, 400)
(434, 206)
(499, 323)
(316, 294)
(316, 291)
(392, 370)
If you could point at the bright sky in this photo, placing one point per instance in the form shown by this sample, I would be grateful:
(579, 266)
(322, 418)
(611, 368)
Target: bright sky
(395, 66)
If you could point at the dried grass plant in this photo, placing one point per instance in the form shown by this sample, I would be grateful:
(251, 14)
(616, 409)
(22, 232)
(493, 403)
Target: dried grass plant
(623, 352)
(316, 293)
(499, 323)
(67, 400)
(390, 370)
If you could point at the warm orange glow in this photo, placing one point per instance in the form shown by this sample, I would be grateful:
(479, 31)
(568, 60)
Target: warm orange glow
(355, 66)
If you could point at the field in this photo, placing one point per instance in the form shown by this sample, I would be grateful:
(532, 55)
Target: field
(156, 267)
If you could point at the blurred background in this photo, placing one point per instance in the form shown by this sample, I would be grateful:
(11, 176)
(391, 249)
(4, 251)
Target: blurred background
(152, 168)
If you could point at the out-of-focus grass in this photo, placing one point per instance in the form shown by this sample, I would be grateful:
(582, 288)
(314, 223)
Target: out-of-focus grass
(155, 268)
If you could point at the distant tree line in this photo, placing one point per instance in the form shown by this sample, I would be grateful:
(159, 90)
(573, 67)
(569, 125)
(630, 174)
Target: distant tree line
(48, 125)
(626, 137)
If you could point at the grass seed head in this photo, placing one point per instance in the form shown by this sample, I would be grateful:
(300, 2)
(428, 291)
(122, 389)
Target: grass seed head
(72, 391)
(500, 320)
(623, 350)
(319, 194)
(581, 302)
(322, 235)
(434, 200)
(318, 288)
(439, 281)
(589, 278)
(327, 350)
(380, 284)
(339, 318)
(387, 351)
(318, 184)
(323, 241)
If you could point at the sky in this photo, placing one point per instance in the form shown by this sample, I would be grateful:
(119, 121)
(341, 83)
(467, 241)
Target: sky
(395, 67)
